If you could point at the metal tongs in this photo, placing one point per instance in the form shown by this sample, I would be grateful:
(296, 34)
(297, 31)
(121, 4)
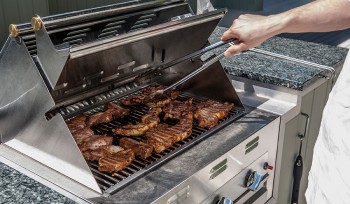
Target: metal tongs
(200, 69)
(192, 74)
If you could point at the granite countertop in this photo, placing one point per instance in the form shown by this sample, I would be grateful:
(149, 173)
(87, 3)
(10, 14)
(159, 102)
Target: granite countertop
(276, 71)
(16, 187)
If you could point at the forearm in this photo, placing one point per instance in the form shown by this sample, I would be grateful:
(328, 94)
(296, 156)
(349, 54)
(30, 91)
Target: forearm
(318, 16)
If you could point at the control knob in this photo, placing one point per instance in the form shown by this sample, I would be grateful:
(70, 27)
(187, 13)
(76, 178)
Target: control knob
(253, 180)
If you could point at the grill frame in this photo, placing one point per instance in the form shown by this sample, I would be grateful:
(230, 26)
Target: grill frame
(141, 167)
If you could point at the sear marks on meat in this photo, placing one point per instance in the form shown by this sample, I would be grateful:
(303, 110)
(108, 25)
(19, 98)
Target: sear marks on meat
(104, 151)
(175, 109)
(77, 123)
(133, 100)
(159, 141)
(149, 120)
(116, 162)
(209, 113)
(131, 130)
(82, 135)
(140, 149)
(116, 110)
(112, 112)
(150, 98)
(100, 117)
(157, 101)
(164, 136)
(95, 142)
(139, 98)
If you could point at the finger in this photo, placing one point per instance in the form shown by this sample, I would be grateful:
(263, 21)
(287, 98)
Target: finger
(228, 35)
(234, 49)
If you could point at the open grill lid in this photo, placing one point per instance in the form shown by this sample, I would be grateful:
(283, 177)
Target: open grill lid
(73, 58)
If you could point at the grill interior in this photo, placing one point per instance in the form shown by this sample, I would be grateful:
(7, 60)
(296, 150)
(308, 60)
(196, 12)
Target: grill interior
(110, 183)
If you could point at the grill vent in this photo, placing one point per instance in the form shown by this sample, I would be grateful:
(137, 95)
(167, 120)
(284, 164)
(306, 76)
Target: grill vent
(143, 22)
(252, 145)
(76, 108)
(31, 45)
(76, 37)
(112, 29)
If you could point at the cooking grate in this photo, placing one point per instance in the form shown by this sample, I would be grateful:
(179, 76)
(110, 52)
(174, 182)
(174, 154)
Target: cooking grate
(111, 183)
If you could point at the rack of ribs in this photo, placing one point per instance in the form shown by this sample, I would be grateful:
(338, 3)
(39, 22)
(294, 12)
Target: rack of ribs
(116, 162)
(164, 136)
(149, 120)
(139, 148)
(208, 113)
(175, 109)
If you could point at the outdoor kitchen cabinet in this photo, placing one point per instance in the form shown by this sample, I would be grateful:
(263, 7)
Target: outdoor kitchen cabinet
(312, 104)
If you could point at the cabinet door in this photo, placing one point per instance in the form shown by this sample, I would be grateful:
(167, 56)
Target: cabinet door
(290, 151)
(312, 104)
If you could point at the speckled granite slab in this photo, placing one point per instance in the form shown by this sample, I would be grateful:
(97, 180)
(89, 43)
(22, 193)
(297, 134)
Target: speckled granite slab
(18, 188)
(276, 71)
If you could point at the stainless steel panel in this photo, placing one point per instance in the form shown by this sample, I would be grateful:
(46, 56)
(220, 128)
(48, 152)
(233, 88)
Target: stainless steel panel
(50, 59)
(24, 102)
(146, 48)
(202, 187)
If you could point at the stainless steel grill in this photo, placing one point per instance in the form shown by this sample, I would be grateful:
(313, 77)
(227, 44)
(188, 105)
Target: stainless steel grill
(112, 182)
(76, 62)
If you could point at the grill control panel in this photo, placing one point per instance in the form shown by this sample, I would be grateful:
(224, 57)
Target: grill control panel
(227, 176)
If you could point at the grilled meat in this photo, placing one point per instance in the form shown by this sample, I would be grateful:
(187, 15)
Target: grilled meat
(116, 162)
(77, 123)
(104, 151)
(139, 98)
(159, 100)
(149, 120)
(158, 141)
(112, 111)
(139, 148)
(116, 110)
(133, 100)
(131, 130)
(173, 94)
(175, 109)
(82, 135)
(150, 98)
(164, 136)
(100, 117)
(95, 142)
(209, 113)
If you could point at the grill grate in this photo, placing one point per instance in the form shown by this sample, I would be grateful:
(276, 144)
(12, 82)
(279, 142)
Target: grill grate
(111, 183)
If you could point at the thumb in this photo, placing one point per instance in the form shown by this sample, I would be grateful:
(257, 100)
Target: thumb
(234, 49)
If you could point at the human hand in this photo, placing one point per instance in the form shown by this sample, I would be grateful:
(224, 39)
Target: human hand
(250, 31)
